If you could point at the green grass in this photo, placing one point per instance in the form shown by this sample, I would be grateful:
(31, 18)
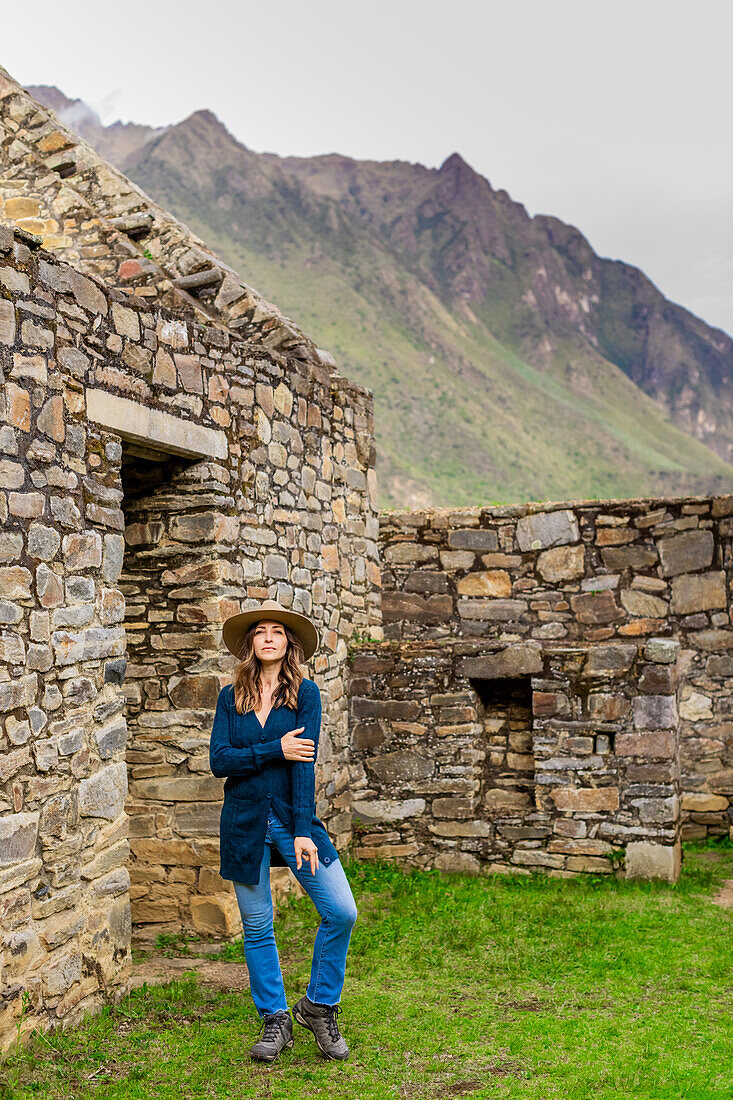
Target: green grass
(519, 986)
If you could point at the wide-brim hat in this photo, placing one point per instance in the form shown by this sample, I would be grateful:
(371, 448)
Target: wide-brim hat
(236, 626)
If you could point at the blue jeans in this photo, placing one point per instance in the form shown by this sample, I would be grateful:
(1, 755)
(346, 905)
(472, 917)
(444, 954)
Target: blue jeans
(330, 892)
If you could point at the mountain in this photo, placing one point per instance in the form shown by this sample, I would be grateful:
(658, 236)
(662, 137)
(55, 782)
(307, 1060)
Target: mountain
(507, 360)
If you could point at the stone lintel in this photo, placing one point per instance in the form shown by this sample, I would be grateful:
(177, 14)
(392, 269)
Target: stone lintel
(160, 430)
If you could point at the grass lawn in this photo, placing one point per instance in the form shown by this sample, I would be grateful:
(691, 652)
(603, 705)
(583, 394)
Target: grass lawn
(516, 986)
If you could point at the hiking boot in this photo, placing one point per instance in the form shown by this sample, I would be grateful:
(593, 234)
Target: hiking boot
(278, 1034)
(321, 1020)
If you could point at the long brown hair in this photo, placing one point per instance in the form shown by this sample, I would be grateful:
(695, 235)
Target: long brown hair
(247, 673)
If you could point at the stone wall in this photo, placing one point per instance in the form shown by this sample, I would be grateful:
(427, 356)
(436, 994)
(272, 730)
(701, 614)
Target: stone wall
(55, 185)
(157, 473)
(471, 756)
(590, 572)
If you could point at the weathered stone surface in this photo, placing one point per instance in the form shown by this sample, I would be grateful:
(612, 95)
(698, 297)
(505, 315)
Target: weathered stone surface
(704, 802)
(696, 707)
(104, 793)
(660, 744)
(491, 582)
(457, 863)
(18, 834)
(389, 809)
(194, 691)
(562, 563)
(15, 582)
(472, 538)
(111, 738)
(655, 712)
(662, 650)
(586, 799)
(185, 789)
(596, 607)
(400, 767)
(643, 604)
(698, 592)
(609, 660)
(618, 558)
(43, 542)
(545, 529)
(520, 659)
(217, 915)
(686, 552)
(648, 860)
(7, 322)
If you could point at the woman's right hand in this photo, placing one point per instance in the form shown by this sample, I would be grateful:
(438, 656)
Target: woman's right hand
(295, 748)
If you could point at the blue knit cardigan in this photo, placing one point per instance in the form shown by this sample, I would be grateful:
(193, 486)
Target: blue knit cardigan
(259, 777)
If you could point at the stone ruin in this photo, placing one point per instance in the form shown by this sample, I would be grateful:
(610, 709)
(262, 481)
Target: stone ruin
(554, 690)
(531, 688)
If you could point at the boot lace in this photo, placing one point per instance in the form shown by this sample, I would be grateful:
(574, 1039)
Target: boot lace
(270, 1027)
(333, 1027)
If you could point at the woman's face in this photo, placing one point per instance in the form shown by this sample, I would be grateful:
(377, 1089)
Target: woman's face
(270, 641)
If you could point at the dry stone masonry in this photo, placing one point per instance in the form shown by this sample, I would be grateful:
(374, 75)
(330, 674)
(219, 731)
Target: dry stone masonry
(629, 602)
(470, 756)
(156, 474)
(545, 687)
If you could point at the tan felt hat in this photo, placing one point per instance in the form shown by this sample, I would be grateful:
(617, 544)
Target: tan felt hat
(236, 626)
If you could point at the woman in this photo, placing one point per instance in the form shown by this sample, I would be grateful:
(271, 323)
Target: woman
(265, 740)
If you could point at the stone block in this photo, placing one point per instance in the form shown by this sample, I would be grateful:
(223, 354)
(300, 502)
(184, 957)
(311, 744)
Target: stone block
(605, 707)
(654, 744)
(491, 582)
(400, 767)
(179, 789)
(522, 658)
(703, 802)
(696, 707)
(15, 582)
(686, 552)
(457, 863)
(191, 692)
(104, 793)
(586, 799)
(693, 592)
(18, 835)
(618, 558)
(500, 799)
(596, 607)
(461, 828)
(544, 529)
(7, 323)
(536, 857)
(82, 550)
(111, 738)
(456, 806)
(216, 915)
(388, 809)
(493, 610)
(645, 859)
(658, 679)
(643, 604)
(609, 660)
(197, 819)
(563, 563)
(473, 538)
(653, 712)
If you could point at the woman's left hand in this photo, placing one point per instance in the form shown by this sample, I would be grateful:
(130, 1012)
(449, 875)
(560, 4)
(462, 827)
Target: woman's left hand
(305, 848)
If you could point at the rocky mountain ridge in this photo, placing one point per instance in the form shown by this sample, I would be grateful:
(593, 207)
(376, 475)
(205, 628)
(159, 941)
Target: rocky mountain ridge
(507, 359)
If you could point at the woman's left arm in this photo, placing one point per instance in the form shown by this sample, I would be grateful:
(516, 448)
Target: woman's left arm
(304, 772)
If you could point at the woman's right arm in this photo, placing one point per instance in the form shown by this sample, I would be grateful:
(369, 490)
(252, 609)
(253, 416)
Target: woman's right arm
(224, 758)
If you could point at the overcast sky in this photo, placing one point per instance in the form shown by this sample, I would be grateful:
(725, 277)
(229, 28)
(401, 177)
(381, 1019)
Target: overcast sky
(614, 115)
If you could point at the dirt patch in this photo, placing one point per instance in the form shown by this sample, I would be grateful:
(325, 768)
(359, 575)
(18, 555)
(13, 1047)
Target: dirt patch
(724, 896)
(161, 969)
